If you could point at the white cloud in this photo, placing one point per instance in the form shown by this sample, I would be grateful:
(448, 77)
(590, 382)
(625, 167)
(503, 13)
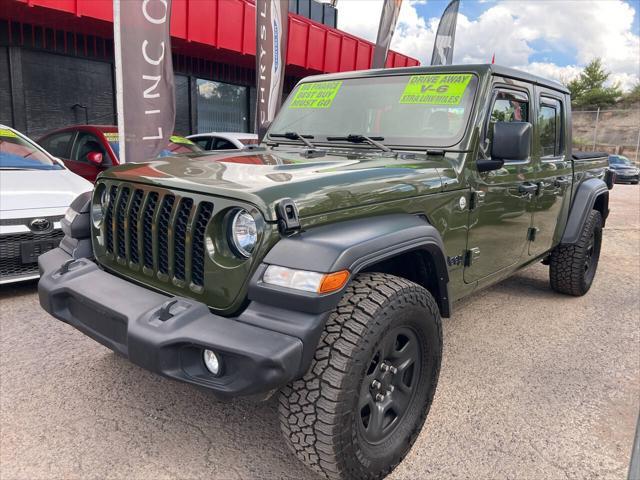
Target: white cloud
(551, 70)
(513, 30)
(360, 17)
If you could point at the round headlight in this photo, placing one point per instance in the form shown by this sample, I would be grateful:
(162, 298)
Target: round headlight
(104, 197)
(244, 233)
(98, 208)
(97, 215)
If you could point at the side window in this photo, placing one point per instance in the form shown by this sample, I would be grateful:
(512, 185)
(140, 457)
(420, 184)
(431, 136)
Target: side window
(201, 142)
(223, 144)
(58, 144)
(508, 106)
(550, 127)
(85, 144)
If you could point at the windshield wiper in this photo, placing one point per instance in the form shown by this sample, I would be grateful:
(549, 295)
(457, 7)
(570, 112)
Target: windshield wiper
(354, 138)
(295, 136)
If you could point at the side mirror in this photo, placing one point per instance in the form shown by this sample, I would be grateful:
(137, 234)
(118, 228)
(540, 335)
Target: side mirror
(511, 141)
(95, 158)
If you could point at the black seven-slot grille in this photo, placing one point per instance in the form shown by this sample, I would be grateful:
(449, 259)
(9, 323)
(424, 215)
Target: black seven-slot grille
(157, 232)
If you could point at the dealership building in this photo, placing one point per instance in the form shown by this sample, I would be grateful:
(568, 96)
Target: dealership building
(57, 61)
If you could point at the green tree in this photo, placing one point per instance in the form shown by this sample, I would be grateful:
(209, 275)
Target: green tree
(634, 95)
(589, 90)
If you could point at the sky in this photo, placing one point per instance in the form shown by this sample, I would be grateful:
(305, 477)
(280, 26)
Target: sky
(552, 38)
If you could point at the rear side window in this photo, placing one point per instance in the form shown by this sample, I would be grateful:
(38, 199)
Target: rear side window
(58, 144)
(550, 127)
(222, 144)
(201, 142)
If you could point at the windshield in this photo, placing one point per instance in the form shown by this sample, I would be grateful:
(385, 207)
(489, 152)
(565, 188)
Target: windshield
(19, 153)
(412, 110)
(176, 146)
(619, 160)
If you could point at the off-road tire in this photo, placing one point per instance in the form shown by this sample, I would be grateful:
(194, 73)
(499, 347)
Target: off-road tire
(319, 413)
(568, 271)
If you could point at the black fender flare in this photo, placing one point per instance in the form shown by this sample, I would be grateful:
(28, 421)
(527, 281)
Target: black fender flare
(350, 245)
(583, 202)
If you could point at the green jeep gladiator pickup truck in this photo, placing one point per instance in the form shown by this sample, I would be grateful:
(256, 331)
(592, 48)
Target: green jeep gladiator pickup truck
(318, 266)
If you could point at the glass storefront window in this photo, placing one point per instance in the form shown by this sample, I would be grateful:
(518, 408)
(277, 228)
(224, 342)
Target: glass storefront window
(222, 107)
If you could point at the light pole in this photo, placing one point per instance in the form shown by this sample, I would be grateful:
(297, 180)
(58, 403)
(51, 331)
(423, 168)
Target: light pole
(595, 133)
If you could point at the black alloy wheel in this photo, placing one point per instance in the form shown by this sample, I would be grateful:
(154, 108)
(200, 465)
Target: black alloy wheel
(389, 384)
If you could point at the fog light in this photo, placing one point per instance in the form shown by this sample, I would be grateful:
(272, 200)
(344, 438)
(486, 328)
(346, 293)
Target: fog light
(212, 362)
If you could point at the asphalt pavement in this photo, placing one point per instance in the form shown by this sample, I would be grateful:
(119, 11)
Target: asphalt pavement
(534, 385)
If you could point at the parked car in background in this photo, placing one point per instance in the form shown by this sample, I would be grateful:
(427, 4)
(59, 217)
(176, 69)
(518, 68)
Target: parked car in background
(224, 140)
(626, 171)
(89, 149)
(35, 191)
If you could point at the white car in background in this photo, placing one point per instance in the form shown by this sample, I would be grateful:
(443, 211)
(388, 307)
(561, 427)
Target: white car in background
(224, 140)
(35, 191)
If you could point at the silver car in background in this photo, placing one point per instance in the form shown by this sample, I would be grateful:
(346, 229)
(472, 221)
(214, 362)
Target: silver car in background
(35, 191)
(224, 140)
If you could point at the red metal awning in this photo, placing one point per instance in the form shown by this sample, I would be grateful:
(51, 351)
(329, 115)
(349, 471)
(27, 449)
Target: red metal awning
(228, 26)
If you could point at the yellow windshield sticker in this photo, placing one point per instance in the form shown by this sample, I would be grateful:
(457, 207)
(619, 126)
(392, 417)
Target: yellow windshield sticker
(446, 89)
(5, 132)
(180, 140)
(111, 136)
(316, 95)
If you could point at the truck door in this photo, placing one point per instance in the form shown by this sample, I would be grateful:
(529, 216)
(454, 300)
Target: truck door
(500, 215)
(551, 205)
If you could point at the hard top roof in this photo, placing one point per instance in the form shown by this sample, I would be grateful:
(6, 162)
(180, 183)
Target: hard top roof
(480, 69)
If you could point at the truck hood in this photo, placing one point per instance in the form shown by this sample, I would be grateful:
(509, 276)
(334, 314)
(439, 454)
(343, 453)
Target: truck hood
(323, 183)
(39, 189)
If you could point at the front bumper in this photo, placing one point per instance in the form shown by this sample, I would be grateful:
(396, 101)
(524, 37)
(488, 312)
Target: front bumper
(262, 349)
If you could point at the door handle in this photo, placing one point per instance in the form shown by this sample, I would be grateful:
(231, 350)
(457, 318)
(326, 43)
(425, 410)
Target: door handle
(562, 181)
(528, 188)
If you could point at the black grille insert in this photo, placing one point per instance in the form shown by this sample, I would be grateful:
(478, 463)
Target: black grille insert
(197, 258)
(147, 229)
(136, 203)
(181, 237)
(163, 233)
(108, 218)
(120, 214)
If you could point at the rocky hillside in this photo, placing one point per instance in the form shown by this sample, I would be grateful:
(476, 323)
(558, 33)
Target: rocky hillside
(618, 129)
